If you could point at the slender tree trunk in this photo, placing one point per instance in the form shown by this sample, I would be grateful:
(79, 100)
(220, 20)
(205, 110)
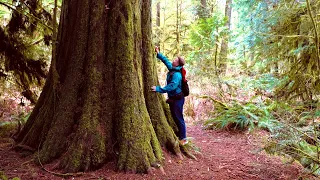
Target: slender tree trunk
(104, 108)
(203, 9)
(224, 44)
(158, 32)
(244, 51)
(164, 25)
(178, 23)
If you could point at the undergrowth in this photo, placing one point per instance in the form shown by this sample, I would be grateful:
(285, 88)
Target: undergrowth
(298, 138)
(293, 126)
(241, 116)
(294, 133)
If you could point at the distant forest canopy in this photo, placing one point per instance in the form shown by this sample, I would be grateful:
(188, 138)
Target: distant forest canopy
(25, 46)
(263, 37)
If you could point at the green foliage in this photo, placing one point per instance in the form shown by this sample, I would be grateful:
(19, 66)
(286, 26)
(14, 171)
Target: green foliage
(204, 32)
(25, 36)
(205, 38)
(241, 116)
(3, 176)
(300, 144)
(8, 128)
(294, 129)
(176, 18)
(296, 135)
(273, 77)
(277, 37)
(4, 12)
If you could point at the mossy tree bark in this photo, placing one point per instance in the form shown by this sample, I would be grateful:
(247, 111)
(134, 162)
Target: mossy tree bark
(102, 108)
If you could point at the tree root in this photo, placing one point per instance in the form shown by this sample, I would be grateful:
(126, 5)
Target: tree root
(63, 174)
(59, 174)
(186, 151)
(158, 166)
(24, 147)
(162, 170)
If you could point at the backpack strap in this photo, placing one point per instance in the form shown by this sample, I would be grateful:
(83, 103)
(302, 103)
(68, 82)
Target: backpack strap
(182, 70)
(171, 75)
(183, 73)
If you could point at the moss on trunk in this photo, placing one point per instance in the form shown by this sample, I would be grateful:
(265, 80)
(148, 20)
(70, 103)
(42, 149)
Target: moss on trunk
(104, 108)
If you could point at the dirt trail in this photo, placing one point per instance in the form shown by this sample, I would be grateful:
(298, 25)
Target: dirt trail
(224, 156)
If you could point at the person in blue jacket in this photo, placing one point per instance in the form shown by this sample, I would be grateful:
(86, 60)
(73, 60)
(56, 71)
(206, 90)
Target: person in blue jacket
(174, 91)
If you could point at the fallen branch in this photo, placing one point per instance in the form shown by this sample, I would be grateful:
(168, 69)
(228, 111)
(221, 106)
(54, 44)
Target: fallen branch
(214, 100)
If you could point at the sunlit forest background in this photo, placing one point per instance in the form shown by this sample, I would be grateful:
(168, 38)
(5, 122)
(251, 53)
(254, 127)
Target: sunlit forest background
(251, 65)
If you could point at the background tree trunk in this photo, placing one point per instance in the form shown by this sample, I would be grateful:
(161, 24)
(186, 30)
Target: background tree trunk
(224, 43)
(158, 32)
(178, 24)
(203, 11)
(102, 108)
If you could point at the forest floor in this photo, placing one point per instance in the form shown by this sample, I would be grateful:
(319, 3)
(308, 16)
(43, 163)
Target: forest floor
(222, 155)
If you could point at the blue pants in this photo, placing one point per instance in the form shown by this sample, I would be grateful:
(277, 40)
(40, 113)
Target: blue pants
(176, 108)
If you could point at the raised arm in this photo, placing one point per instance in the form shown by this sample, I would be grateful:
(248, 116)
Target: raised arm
(165, 60)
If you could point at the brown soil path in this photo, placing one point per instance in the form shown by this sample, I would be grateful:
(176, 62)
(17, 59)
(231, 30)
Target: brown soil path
(224, 156)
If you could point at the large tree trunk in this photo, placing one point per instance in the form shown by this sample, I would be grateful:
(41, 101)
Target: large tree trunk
(102, 108)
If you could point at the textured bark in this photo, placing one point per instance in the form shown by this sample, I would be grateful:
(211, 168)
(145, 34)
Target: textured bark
(203, 11)
(158, 32)
(102, 108)
(178, 25)
(224, 44)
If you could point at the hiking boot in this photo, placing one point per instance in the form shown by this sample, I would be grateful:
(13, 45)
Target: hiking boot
(183, 142)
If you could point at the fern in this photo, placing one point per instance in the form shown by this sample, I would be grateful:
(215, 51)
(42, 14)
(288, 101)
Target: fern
(236, 116)
(295, 146)
(299, 141)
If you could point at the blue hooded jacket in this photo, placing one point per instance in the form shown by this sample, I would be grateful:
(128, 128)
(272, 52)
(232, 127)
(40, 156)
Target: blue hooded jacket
(174, 84)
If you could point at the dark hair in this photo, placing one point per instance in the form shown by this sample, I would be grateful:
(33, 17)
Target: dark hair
(181, 61)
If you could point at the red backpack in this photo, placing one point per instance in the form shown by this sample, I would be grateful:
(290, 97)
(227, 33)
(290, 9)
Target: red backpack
(185, 85)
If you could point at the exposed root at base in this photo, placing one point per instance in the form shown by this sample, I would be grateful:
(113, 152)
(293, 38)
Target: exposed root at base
(162, 171)
(185, 149)
(60, 174)
(24, 147)
(63, 174)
